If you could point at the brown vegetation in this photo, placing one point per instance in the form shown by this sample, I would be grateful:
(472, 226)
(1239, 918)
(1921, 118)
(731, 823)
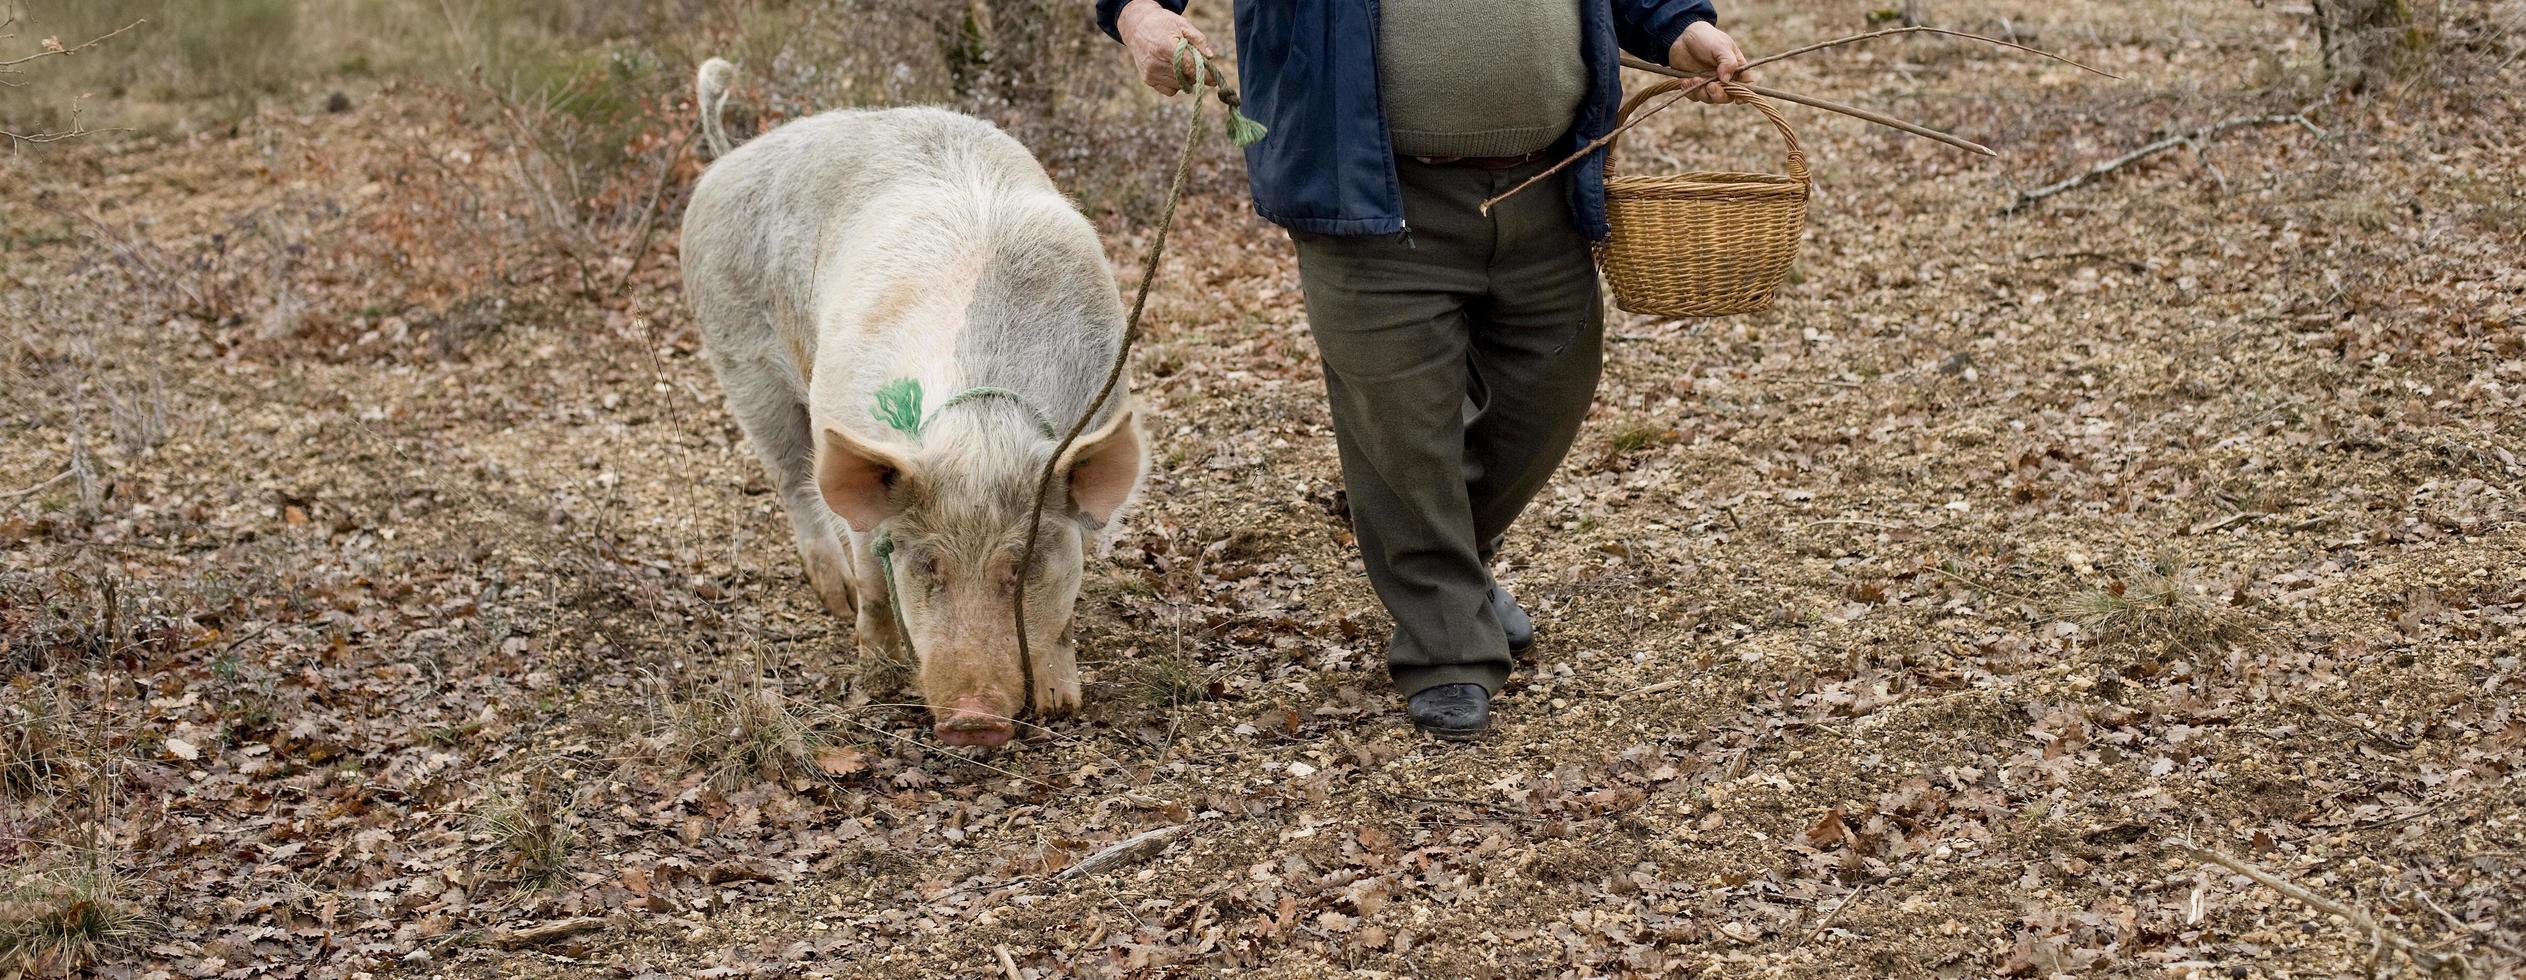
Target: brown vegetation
(383, 589)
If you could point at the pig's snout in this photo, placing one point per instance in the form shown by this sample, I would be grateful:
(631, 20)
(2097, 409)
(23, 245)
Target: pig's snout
(967, 722)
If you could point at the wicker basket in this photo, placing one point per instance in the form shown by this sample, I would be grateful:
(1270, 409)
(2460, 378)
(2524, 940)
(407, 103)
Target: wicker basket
(1703, 244)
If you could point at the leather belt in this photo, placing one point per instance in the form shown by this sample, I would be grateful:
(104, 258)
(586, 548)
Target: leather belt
(1483, 163)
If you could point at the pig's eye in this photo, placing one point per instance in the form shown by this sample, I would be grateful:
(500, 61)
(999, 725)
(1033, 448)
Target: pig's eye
(928, 569)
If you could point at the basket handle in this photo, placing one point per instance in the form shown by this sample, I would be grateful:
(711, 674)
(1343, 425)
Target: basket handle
(1797, 154)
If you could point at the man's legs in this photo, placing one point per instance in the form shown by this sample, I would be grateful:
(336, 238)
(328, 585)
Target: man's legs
(1537, 351)
(1390, 319)
(1459, 363)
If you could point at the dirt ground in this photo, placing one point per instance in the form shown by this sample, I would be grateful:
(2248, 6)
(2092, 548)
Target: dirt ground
(369, 600)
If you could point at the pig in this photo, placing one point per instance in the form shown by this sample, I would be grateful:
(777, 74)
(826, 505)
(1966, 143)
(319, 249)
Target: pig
(902, 309)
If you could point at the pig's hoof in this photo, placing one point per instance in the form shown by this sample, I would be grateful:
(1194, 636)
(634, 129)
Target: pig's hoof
(833, 586)
(1061, 701)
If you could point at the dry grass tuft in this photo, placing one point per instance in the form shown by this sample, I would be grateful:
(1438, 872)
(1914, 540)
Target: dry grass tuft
(63, 914)
(1165, 678)
(736, 728)
(36, 747)
(532, 829)
(2160, 602)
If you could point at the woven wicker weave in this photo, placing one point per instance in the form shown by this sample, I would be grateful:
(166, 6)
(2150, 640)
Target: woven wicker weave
(1703, 244)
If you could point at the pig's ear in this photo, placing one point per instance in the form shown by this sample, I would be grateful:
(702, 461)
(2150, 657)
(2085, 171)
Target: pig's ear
(856, 478)
(1105, 467)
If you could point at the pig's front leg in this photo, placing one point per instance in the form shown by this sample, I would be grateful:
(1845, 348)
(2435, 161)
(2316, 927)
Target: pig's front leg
(828, 561)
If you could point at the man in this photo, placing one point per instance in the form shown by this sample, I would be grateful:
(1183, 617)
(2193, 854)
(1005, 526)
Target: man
(1461, 350)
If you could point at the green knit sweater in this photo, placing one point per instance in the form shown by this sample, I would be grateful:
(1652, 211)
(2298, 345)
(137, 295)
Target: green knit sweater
(1479, 78)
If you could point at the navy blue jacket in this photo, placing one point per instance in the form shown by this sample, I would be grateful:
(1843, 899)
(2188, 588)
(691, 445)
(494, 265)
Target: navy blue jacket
(1308, 69)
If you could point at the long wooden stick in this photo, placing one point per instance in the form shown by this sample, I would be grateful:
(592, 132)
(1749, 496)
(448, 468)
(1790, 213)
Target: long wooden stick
(1639, 117)
(1809, 100)
(2359, 920)
(2191, 139)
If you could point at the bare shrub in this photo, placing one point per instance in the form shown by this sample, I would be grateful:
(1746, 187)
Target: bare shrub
(62, 620)
(594, 159)
(2361, 36)
(13, 72)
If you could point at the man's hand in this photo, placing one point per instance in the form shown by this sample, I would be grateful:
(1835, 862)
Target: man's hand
(1150, 31)
(1704, 47)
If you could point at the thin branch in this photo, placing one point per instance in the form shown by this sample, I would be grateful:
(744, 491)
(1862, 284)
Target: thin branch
(1983, 587)
(649, 213)
(40, 139)
(1811, 525)
(1809, 100)
(56, 49)
(1130, 850)
(2203, 157)
(1829, 917)
(1638, 117)
(523, 937)
(2192, 139)
(63, 475)
(2358, 919)
(1839, 41)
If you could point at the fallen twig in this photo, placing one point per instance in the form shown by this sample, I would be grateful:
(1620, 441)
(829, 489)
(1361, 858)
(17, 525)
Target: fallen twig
(1008, 964)
(1495, 808)
(1830, 521)
(1136, 848)
(2192, 139)
(63, 475)
(1830, 916)
(1638, 117)
(1809, 100)
(537, 935)
(2360, 920)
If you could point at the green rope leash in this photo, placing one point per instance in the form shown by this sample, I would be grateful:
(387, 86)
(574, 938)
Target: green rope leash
(1193, 72)
(884, 546)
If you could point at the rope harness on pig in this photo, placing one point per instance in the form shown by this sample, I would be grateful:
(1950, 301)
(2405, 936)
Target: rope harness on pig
(1193, 73)
(899, 406)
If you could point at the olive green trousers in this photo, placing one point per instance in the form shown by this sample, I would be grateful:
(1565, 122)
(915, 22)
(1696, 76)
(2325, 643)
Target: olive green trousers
(1460, 358)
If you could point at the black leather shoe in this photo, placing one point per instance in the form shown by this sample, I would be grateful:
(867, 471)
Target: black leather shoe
(1457, 712)
(1513, 620)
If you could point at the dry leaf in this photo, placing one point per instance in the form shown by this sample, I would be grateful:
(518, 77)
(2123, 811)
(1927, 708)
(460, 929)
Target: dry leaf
(1828, 831)
(840, 760)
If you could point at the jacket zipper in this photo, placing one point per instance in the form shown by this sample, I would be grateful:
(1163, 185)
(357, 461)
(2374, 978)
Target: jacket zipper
(1394, 176)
